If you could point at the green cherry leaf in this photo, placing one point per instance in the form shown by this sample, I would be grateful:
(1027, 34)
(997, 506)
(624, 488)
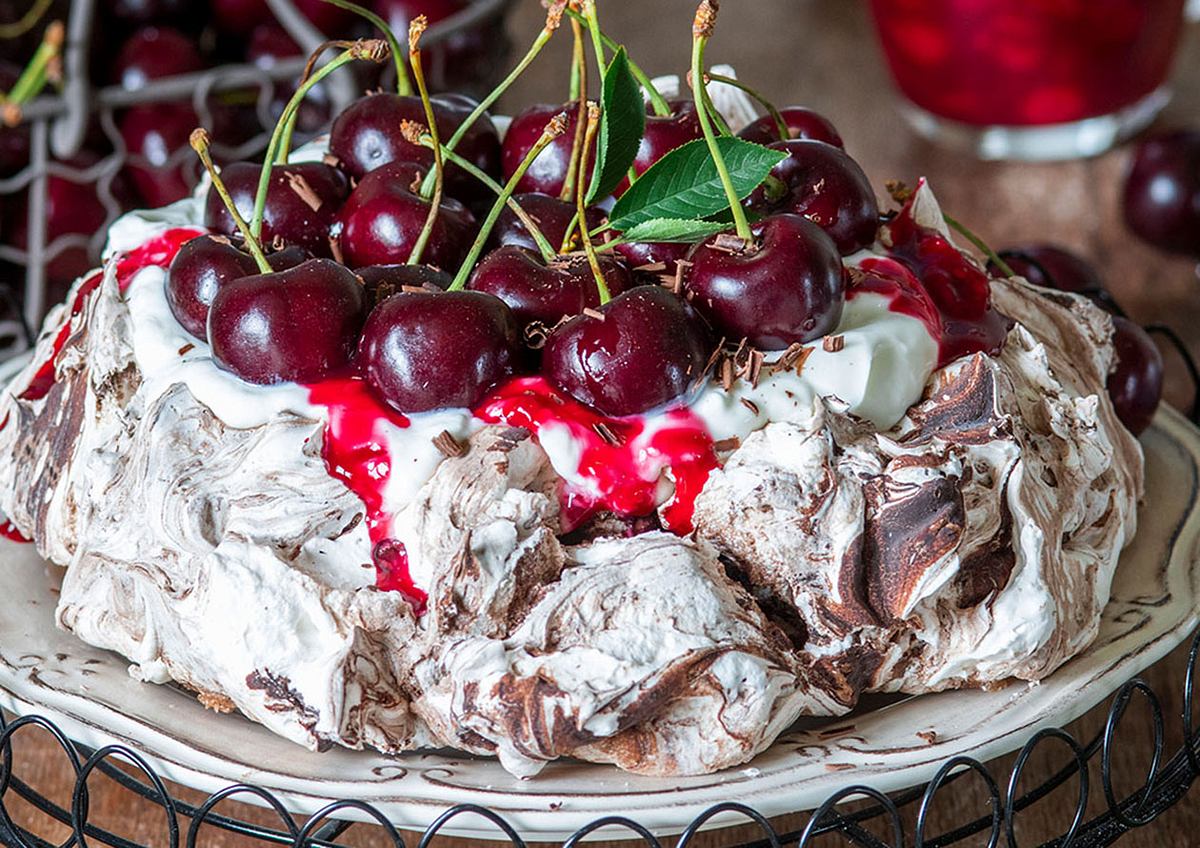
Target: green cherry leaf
(673, 230)
(685, 184)
(622, 124)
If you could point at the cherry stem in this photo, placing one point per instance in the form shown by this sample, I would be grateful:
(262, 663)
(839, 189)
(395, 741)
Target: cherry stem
(593, 123)
(569, 233)
(776, 115)
(580, 64)
(556, 127)
(415, 30)
(26, 22)
(553, 19)
(713, 111)
(702, 28)
(199, 143)
(578, 68)
(372, 49)
(592, 19)
(539, 238)
(403, 83)
(36, 74)
(659, 103)
(992, 255)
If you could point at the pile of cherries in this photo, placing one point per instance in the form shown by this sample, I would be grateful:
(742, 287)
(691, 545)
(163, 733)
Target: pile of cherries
(624, 329)
(433, 282)
(156, 39)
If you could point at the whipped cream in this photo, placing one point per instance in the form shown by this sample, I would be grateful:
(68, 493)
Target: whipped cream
(879, 370)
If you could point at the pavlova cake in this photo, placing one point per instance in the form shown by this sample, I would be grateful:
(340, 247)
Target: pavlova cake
(431, 436)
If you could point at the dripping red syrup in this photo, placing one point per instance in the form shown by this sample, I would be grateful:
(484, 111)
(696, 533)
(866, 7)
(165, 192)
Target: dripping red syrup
(10, 532)
(941, 288)
(356, 453)
(622, 460)
(158, 251)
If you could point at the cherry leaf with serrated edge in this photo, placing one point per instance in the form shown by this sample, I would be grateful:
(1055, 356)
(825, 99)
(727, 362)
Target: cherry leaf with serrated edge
(622, 124)
(673, 230)
(685, 184)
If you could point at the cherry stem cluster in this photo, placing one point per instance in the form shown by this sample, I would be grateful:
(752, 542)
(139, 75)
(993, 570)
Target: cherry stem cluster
(702, 28)
(199, 142)
(403, 83)
(556, 127)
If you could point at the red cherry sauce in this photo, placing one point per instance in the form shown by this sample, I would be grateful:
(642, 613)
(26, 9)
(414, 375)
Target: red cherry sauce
(157, 251)
(930, 280)
(8, 531)
(356, 453)
(621, 459)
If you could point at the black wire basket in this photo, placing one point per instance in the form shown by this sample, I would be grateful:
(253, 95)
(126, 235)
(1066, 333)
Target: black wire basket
(880, 822)
(58, 126)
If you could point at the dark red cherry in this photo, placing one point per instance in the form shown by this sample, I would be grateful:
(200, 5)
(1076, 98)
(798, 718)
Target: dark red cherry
(14, 141)
(648, 350)
(826, 186)
(1135, 384)
(331, 20)
(465, 57)
(1052, 267)
(788, 287)
(199, 269)
(302, 203)
(801, 123)
(161, 165)
(383, 281)
(551, 215)
(240, 16)
(546, 294)
(206, 263)
(1162, 192)
(548, 171)
(152, 11)
(425, 350)
(642, 254)
(75, 207)
(663, 134)
(300, 325)
(367, 135)
(153, 52)
(383, 218)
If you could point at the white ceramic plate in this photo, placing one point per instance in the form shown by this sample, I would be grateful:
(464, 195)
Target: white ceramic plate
(1153, 608)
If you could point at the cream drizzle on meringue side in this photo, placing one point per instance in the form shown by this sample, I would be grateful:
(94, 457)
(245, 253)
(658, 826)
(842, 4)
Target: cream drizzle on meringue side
(876, 370)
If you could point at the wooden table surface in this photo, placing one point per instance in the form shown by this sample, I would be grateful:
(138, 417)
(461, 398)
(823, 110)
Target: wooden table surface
(820, 53)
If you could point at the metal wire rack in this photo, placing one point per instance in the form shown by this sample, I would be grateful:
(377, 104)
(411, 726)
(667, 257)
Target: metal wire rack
(1169, 779)
(58, 127)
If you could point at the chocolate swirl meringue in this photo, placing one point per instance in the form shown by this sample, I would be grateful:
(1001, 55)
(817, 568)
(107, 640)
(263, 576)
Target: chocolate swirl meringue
(972, 542)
